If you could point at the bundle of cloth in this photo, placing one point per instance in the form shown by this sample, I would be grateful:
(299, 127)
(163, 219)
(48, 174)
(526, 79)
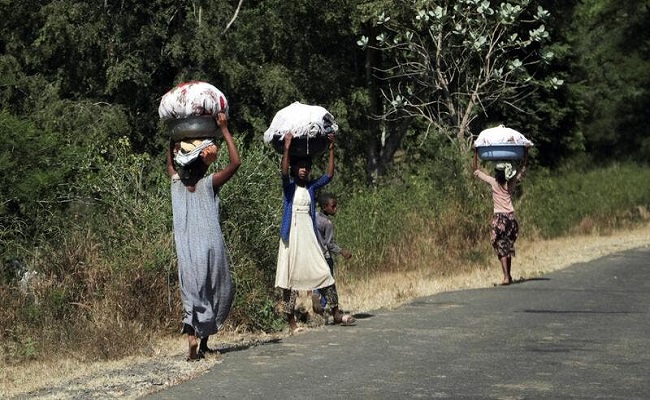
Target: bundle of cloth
(189, 150)
(501, 135)
(308, 124)
(189, 99)
(189, 110)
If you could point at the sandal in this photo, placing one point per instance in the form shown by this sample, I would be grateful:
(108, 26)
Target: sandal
(345, 320)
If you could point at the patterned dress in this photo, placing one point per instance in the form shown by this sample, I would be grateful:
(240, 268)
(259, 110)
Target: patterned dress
(505, 227)
(204, 275)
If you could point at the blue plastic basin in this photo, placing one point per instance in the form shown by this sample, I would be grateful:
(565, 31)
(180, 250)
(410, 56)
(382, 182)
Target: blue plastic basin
(500, 152)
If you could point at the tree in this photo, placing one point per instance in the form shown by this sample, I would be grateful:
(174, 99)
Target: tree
(549, 116)
(612, 47)
(446, 62)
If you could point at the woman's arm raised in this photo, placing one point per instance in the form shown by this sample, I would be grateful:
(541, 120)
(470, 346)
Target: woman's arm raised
(222, 176)
(330, 161)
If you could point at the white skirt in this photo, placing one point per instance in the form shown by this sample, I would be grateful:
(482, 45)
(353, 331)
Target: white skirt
(301, 263)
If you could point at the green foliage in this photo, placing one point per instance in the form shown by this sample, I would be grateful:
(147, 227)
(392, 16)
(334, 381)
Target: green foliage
(47, 162)
(612, 50)
(555, 204)
(250, 216)
(454, 60)
(31, 179)
(85, 198)
(104, 260)
(97, 281)
(392, 226)
(29, 348)
(22, 146)
(127, 54)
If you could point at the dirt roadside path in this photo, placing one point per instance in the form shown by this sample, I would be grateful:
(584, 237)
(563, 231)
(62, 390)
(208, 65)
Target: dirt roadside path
(166, 366)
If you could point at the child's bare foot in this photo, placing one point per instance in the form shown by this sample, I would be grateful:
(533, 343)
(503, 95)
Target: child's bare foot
(343, 319)
(293, 326)
(315, 304)
(298, 330)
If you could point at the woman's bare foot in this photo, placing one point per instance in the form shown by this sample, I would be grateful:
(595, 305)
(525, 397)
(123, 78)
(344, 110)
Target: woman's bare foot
(193, 353)
(293, 325)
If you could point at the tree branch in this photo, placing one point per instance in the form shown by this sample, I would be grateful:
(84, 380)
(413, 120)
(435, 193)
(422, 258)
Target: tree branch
(234, 17)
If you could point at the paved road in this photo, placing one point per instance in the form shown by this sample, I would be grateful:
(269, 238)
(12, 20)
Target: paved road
(580, 333)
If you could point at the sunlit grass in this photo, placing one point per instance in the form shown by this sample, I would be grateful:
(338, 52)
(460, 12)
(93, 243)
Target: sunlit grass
(388, 290)
(535, 257)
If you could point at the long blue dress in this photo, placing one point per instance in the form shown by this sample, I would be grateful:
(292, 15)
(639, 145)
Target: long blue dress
(206, 286)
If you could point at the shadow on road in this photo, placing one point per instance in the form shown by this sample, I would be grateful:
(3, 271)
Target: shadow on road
(362, 315)
(246, 346)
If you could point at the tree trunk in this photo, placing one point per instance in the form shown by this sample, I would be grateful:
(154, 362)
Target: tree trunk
(383, 139)
(374, 110)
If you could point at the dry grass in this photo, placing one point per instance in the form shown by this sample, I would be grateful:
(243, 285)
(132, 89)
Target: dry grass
(164, 364)
(128, 378)
(534, 258)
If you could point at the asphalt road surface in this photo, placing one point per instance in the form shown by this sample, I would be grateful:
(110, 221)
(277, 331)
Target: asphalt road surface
(579, 333)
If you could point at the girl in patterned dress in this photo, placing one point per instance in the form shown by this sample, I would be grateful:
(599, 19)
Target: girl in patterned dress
(505, 228)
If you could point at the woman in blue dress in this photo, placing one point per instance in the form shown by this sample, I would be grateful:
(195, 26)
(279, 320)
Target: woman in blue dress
(204, 276)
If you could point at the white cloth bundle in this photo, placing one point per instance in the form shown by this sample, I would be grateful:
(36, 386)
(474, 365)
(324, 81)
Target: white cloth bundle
(301, 120)
(192, 99)
(500, 135)
(190, 151)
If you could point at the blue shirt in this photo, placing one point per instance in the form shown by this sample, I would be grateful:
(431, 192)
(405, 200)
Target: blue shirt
(288, 190)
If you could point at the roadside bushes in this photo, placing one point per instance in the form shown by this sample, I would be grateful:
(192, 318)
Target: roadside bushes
(434, 213)
(102, 264)
(251, 207)
(585, 201)
(106, 269)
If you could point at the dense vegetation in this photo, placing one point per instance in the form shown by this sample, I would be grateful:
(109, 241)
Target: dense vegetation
(85, 201)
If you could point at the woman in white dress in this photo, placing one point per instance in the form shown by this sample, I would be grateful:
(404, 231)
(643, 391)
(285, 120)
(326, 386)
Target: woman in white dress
(301, 263)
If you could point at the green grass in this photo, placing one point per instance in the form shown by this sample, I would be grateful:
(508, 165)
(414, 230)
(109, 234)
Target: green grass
(612, 196)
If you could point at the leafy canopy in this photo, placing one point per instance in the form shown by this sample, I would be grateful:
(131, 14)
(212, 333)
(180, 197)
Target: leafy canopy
(448, 61)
